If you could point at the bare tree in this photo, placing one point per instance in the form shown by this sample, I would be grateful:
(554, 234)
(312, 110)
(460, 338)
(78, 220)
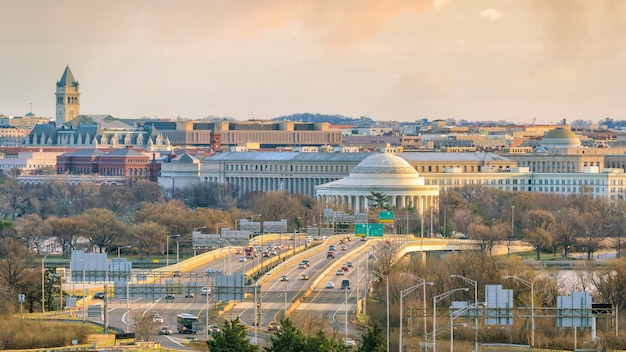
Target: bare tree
(33, 231)
(67, 231)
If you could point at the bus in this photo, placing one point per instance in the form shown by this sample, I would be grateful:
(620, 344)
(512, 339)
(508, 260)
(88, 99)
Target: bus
(187, 323)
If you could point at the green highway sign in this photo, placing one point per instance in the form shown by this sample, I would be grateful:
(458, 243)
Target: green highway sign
(373, 230)
(385, 216)
(360, 230)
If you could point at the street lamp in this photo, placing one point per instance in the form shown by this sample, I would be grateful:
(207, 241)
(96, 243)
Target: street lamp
(118, 250)
(437, 299)
(167, 248)
(43, 283)
(387, 299)
(532, 304)
(421, 282)
(475, 284)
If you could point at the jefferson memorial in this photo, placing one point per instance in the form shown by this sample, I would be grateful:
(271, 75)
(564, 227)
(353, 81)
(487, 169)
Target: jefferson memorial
(383, 173)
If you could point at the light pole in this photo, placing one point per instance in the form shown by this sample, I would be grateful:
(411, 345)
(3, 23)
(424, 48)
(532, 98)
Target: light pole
(475, 284)
(532, 304)
(387, 299)
(421, 282)
(43, 283)
(345, 341)
(436, 300)
(118, 250)
(512, 229)
(167, 249)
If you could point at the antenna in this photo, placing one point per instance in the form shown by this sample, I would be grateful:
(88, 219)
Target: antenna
(30, 107)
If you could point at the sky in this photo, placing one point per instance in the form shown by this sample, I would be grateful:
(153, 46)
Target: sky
(390, 60)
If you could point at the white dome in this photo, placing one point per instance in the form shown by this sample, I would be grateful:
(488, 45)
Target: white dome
(383, 164)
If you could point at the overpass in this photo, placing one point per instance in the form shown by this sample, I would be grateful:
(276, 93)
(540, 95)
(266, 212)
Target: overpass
(451, 245)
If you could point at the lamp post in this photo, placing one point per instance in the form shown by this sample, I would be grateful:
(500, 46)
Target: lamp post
(421, 282)
(167, 248)
(43, 283)
(118, 250)
(387, 299)
(436, 300)
(532, 304)
(512, 229)
(475, 284)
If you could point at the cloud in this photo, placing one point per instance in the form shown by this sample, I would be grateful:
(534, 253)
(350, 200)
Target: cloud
(491, 14)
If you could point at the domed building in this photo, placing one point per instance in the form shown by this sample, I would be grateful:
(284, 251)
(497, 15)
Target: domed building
(560, 138)
(384, 173)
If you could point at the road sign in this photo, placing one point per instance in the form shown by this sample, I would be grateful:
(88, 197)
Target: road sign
(360, 230)
(363, 230)
(21, 298)
(385, 216)
(375, 230)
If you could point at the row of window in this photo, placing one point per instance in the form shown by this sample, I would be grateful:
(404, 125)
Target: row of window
(288, 168)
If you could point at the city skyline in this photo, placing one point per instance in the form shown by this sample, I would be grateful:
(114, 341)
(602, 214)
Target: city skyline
(389, 60)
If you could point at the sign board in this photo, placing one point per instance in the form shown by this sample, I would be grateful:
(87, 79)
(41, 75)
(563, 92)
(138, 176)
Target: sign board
(373, 230)
(376, 230)
(385, 216)
(94, 311)
(21, 298)
(360, 230)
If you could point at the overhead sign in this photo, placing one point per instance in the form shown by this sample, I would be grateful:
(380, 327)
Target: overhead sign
(385, 216)
(373, 230)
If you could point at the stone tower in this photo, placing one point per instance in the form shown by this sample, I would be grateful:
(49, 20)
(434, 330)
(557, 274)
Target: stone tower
(68, 98)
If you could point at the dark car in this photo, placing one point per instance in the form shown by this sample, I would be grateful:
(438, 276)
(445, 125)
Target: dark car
(177, 273)
(330, 255)
(98, 295)
(169, 296)
(273, 326)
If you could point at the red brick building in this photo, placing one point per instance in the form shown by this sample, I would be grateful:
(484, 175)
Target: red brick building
(125, 162)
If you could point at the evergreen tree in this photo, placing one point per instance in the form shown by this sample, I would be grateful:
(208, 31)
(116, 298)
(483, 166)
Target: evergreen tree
(287, 339)
(373, 340)
(232, 338)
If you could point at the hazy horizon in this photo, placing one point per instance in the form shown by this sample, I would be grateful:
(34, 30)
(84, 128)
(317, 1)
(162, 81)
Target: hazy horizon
(400, 60)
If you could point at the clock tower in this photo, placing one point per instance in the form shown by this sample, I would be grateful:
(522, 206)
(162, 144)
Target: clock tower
(68, 98)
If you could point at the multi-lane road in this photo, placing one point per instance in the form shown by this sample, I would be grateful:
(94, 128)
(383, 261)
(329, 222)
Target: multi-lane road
(273, 295)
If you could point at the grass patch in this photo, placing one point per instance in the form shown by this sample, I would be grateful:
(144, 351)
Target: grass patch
(29, 334)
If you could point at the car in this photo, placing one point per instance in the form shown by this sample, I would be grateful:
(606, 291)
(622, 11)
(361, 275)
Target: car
(304, 277)
(288, 246)
(345, 268)
(206, 291)
(158, 319)
(284, 278)
(349, 342)
(273, 253)
(169, 296)
(273, 326)
(242, 259)
(349, 264)
(344, 248)
(301, 266)
(363, 239)
(345, 284)
(177, 273)
(98, 295)
(213, 329)
(339, 272)
(330, 255)
(239, 251)
(190, 295)
(306, 262)
(330, 284)
(165, 330)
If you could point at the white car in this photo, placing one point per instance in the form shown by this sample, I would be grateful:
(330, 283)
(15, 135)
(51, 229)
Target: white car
(284, 278)
(206, 291)
(339, 272)
(330, 284)
(242, 259)
(349, 342)
(158, 319)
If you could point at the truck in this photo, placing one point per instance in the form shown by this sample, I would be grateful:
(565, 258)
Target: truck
(250, 252)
